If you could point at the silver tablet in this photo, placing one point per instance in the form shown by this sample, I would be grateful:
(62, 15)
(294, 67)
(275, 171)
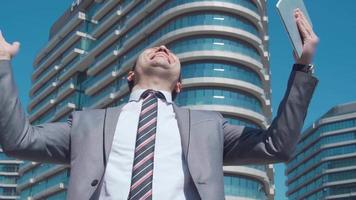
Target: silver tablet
(286, 12)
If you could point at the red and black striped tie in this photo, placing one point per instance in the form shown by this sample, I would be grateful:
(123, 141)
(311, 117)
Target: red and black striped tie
(142, 170)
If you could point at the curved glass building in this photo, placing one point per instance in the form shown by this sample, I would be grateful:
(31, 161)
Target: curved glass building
(223, 48)
(324, 165)
(8, 175)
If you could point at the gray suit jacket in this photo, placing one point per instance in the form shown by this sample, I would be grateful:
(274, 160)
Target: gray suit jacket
(208, 141)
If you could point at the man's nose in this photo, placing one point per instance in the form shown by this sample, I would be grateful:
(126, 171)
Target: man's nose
(164, 48)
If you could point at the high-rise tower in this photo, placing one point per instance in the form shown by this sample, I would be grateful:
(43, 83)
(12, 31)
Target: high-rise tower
(324, 164)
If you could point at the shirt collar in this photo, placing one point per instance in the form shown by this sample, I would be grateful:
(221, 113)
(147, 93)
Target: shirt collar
(136, 94)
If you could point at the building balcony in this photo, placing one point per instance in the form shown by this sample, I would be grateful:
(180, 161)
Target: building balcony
(65, 89)
(70, 55)
(104, 42)
(11, 161)
(231, 83)
(234, 111)
(37, 89)
(42, 108)
(9, 197)
(74, 22)
(311, 155)
(324, 173)
(226, 82)
(52, 171)
(63, 110)
(6, 185)
(67, 43)
(111, 18)
(46, 75)
(66, 69)
(71, 64)
(107, 21)
(9, 173)
(68, 102)
(27, 166)
(52, 190)
(328, 185)
(62, 92)
(102, 62)
(254, 174)
(108, 5)
(43, 94)
(346, 195)
(108, 97)
(100, 82)
(247, 61)
(313, 140)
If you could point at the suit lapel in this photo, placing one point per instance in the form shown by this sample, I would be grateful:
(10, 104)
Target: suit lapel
(183, 119)
(111, 119)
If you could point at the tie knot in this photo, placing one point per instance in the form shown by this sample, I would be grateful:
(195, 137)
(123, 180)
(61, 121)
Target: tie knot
(153, 94)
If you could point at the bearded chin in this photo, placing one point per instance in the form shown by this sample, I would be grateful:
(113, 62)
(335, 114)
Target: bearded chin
(159, 64)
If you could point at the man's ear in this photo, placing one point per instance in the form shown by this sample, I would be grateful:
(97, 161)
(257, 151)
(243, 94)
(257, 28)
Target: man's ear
(178, 87)
(131, 75)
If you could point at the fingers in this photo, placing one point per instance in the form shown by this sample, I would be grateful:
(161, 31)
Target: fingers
(303, 22)
(304, 33)
(305, 28)
(308, 26)
(299, 14)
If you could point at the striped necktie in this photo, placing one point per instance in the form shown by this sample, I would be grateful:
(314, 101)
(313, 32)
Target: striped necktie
(142, 170)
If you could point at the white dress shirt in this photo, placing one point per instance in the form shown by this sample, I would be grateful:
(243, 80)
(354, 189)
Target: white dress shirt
(170, 170)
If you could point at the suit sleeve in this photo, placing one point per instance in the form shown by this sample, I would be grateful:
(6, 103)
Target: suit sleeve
(43, 143)
(245, 145)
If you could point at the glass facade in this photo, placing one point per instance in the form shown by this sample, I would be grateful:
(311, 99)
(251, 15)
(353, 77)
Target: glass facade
(324, 165)
(218, 96)
(221, 69)
(249, 188)
(85, 63)
(8, 176)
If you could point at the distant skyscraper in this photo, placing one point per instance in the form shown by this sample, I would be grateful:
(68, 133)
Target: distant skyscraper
(223, 48)
(324, 165)
(8, 175)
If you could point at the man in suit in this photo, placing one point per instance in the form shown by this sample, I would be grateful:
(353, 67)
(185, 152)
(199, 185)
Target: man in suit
(150, 148)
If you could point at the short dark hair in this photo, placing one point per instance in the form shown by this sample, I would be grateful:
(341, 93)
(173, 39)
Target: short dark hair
(132, 82)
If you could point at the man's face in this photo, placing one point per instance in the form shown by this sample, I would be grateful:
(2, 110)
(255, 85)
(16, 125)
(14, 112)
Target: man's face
(158, 61)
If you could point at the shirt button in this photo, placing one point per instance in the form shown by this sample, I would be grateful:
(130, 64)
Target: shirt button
(94, 182)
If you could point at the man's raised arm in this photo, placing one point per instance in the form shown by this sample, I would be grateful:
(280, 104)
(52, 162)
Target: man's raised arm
(243, 145)
(18, 138)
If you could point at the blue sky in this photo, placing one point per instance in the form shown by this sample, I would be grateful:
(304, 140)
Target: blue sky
(334, 22)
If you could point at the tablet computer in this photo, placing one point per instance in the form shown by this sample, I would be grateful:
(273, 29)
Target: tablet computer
(286, 12)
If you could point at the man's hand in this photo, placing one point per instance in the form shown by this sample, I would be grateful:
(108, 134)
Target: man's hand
(309, 38)
(7, 51)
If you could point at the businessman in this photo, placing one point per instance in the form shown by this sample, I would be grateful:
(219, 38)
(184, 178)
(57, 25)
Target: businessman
(150, 148)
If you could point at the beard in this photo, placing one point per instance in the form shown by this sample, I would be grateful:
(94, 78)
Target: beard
(160, 61)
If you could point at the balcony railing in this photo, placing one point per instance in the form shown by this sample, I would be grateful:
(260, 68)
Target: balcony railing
(40, 96)
(42, 109)
(103, 61)
(99, 13)
(58, 37)
(71, 66)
